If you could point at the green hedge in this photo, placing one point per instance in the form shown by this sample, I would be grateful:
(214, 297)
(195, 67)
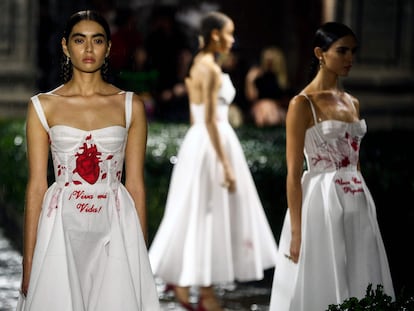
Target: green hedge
(375, 300)
(13, 170)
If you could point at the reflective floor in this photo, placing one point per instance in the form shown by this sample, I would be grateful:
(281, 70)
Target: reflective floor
(10, 274)
(240, 297)
(253, 296)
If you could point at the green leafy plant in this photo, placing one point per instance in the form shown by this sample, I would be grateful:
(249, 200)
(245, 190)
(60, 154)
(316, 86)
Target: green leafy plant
(375, 300)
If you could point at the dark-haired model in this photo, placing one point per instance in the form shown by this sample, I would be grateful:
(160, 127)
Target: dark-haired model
(85, 236)
(214, 228)
(330, 248)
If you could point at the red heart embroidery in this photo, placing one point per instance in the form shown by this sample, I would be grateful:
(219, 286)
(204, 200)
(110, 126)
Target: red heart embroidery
(87, 163)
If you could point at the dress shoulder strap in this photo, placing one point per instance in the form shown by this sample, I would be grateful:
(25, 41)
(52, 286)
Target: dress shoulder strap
(40, 113)
(312, 107)
(128, 108)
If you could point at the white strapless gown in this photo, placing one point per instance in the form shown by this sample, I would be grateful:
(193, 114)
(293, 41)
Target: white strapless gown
(90, 253)
(208, 235)
(342, 251)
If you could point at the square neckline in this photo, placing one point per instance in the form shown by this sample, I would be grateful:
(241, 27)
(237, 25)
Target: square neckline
(315, 119)
(42, 117)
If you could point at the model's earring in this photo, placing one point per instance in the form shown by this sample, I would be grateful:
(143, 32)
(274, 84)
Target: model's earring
(105, 68)
(320, 62)
(67, 60)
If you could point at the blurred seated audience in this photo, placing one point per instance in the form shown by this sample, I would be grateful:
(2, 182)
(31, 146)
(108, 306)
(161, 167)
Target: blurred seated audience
(266, 88)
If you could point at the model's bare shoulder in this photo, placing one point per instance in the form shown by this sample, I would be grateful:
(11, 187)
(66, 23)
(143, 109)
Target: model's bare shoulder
(202, 69)
(48, 100)
(299, 109)
(354, 100)
(137, 100)
(299, 101)
(138, 106)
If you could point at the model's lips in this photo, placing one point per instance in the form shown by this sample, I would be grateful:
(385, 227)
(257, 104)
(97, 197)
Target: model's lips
(88, 60)
(348, 67)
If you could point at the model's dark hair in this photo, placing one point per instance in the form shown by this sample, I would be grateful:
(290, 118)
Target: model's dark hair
(66, 66)
(211, 21)
(324, 37)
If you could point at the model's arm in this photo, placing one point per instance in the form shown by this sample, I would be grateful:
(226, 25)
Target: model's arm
(134, 161)
(297, 121)
(210, 87)
(37, 157)
(355, 101)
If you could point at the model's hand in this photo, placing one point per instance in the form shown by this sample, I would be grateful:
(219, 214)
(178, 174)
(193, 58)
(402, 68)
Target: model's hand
(25, 279)
(295, 248)
(229, 179)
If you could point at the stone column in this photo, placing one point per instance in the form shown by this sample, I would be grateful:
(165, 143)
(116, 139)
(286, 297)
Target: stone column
(18, 43)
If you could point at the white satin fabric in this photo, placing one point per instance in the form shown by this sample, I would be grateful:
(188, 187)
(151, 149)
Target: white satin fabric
(208, 235)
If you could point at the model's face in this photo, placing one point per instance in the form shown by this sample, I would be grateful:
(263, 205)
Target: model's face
(226, 37)
(87, 46)
(338, 58)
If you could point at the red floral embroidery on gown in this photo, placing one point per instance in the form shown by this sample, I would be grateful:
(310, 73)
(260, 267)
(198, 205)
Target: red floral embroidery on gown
(90, 253)
(342, 249)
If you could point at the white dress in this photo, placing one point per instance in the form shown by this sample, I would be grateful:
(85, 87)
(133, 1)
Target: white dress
(90, 253)
(342, 250)
(208, 235)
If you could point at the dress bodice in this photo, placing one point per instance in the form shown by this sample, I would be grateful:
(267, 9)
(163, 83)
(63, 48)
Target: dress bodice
(87, 157)
(90, 157)
(332, 144)
(226, 95)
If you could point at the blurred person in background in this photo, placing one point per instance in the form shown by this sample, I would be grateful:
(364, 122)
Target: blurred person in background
(214, 229)
(266, 87)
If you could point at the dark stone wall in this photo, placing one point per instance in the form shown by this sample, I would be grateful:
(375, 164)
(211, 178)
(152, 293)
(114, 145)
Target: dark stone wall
(383, 75)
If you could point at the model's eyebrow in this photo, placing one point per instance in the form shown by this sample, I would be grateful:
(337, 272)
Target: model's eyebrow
(78, 34)
(344, 47)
